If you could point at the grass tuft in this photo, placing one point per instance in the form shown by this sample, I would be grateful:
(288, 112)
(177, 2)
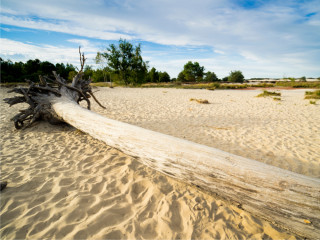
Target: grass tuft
(268, 94)
(211, 88)
(312, 95)
(201, 101)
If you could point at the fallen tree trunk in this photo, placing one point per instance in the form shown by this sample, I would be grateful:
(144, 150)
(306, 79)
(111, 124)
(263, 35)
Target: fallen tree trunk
(288, 199)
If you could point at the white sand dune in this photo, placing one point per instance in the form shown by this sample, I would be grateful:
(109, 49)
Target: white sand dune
(64, 184)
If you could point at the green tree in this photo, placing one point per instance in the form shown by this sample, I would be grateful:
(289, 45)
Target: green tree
(98, 76)
(61, 69)
(181, 77)
(225, 79)
(164, 77)
(236, 76)
(46, 68)
(12, 72)
(106, 73)
(139, 68)
(19, 71)
(64, 70)
(210, 77)
(6, 68)
(88, 72)
(126, 60)
(32, 69)
(153, 75)
(71, 75)
(192, 72)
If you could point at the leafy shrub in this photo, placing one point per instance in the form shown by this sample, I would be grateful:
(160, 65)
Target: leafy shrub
(268, 94)
(202, 101)
(211, 88)
(303, 79)
(236, 76)
(312, 95)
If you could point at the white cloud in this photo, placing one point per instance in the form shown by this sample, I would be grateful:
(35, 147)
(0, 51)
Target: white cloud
(219, 51)
(5, 29)
(63, 27)
(18, 51)
(84, 43)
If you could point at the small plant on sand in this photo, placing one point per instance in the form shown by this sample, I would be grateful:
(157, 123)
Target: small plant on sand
(312, 102)
(202, 101)
(277, 99)
(268, 94)
(312, 95)
(211, 88)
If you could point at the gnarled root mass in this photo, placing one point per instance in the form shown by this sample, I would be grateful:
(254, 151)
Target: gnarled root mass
(40, 96)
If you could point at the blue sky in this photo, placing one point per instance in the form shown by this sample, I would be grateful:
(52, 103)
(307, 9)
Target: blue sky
(272, 38)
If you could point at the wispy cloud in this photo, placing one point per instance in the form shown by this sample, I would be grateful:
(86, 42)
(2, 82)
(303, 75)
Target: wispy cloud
(44, 52)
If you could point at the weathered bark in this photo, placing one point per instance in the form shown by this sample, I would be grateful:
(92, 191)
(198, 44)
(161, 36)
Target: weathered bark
(288, 199)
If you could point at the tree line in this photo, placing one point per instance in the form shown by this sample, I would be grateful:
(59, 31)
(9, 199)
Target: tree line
(121, 63)
(19, 71)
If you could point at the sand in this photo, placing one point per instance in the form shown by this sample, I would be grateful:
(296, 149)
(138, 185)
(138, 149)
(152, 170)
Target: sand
(282, 133)
(64, 184)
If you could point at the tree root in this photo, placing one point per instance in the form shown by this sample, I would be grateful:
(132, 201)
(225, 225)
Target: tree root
(39, 97)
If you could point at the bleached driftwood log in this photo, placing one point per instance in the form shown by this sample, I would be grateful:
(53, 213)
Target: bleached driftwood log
(288, 199)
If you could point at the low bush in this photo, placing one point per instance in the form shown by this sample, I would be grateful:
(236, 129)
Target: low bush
(211, 88)
(201, 101)
(312, 95)
(268, 94)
